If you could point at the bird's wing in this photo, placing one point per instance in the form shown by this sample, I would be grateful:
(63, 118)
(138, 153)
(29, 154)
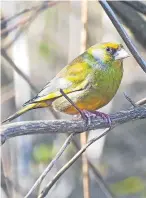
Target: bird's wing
(71, 78)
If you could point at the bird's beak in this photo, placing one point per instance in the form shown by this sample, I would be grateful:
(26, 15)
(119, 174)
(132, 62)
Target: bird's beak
(121, 54)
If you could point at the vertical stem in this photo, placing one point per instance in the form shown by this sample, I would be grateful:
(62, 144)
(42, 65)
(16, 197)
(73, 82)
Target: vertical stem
(83, 136)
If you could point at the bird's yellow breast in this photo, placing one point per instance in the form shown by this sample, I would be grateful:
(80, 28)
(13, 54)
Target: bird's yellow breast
(94, 104)
(85, 100)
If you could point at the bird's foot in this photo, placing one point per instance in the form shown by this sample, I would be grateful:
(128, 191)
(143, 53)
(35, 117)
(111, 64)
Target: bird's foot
(104, 116)
(88, 115)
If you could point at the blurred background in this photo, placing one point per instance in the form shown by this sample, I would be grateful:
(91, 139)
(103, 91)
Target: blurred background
(52, 40)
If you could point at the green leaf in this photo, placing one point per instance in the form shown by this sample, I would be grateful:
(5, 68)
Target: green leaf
(128, 186)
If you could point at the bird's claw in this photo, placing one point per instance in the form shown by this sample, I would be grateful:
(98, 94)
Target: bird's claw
(88, 115)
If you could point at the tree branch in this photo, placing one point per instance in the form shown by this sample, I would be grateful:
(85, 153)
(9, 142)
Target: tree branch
(83, 149)
(52, 163)
(69, 163)
(35, 13)
(13, 65)
(98, 178)
(62, 126)
(123, 34)
(8, 19)
(131, 19)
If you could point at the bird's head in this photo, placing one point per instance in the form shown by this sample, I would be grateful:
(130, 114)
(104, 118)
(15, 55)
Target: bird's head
(108, 52)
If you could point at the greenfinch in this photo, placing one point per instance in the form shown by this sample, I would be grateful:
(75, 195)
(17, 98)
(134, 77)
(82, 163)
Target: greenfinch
(90, 81)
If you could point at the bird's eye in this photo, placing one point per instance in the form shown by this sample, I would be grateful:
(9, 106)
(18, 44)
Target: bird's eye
(110, 50)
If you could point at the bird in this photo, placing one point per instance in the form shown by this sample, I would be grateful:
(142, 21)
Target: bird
(86, 84)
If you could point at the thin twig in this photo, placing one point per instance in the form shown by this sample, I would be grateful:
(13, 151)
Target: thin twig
(69, 100)
(21, 30)
(123, 34)
(34, 15)
(98, 178)
(32, 86)
(13, 65)
(52, 163)
(69, 163)
(8, 19)
(15, 26)
(61, 126)
(130, 100)
(127, 15)
(141, 102)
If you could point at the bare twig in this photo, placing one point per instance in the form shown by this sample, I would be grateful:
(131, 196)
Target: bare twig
(141, 102)
(15, 26)
(69, 100)
(123, 34)
(128, 15)
(61, 126)
(69, 163)
(52, 163)
(13, 65)
(130, 100)
(98, 178)
(21, 30)
(8, 19)
(32, 86)
(25, 26)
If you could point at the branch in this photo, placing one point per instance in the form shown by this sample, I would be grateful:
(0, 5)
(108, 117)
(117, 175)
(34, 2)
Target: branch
(52, 163)
(35, 13)
(23, 75)
(98, 178)
(128, 15)
(78, 154)
(8, 19)
(13, 65)
(123, 34)
(69, 163)
(62, 126)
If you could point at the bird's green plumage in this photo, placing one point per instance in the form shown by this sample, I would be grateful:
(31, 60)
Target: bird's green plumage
(103, 83)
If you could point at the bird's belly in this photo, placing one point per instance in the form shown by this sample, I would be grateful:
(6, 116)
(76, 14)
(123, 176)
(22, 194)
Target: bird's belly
(83, 100)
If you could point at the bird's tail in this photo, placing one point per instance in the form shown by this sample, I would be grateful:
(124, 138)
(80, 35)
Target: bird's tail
(20, 112)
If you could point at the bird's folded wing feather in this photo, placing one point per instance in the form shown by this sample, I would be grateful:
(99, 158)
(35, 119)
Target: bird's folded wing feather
(72, 78)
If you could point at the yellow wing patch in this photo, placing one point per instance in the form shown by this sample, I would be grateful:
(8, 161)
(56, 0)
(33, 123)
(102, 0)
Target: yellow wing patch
(72, 78)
